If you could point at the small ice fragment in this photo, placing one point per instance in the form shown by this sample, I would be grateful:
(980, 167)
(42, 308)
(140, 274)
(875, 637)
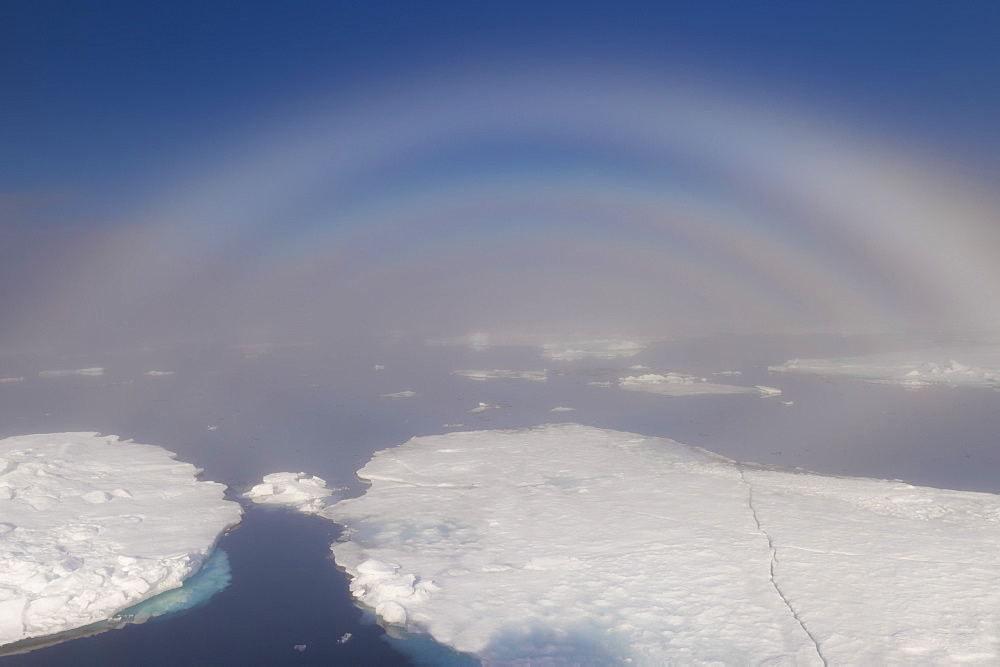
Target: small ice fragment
(379, 367)
(212, 428)
(299, 647)
(305, 493)
(346, 637)
(562, 408)
(767, 392)
(9, 380)
(400, 394)
(483, 407)
(452, 425)
(158, 373)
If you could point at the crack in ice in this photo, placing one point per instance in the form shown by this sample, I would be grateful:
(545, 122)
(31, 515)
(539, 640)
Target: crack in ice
(774, 561)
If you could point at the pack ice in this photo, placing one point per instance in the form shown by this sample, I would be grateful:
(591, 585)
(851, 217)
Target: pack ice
(571, 544)
(973, 367)
(90, 526)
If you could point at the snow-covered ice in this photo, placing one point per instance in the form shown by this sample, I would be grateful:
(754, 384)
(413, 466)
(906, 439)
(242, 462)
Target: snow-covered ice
(679, 384)
(482, 407)
(90, 525)
(538, 376)
(400, 394)
(605, 348)
(93, 371)
(577, 544)
(976, 367)
(305, 493)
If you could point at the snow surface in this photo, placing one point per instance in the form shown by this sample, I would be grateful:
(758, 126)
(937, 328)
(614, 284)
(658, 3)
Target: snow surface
(976, 367)
(295, 489)
(90, 526)
(571, 544)
(679, 384)
(538, 376)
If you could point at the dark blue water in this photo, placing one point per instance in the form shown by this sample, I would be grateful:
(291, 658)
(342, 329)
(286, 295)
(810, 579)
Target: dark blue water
(318, 410)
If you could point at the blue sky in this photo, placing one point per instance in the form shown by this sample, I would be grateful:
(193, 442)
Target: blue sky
(110, 106)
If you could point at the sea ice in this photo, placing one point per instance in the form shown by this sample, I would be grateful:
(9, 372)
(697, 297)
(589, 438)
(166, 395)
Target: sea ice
(93, 371)
(538, 376)
(158, 373)
(400, 394)
(605, 348)
(299, 490)
(90, 526)
(482, 407)
(678, 384)
(976, 367)
(598, 546)
(9, 380)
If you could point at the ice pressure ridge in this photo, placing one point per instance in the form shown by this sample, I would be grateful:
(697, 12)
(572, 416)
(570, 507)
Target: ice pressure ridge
(577, 544)
(90, 525)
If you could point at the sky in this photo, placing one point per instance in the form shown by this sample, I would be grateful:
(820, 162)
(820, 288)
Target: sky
(256, 172)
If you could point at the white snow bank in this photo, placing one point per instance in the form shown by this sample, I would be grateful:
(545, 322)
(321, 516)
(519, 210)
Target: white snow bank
(90, 526)
(606, 348)
(538, 376)
(598, 546)
(954, 367)
(295, 489)
(679, 384)
(94, 371)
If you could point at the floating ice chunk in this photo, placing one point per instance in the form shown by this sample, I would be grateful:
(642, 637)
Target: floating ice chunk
(299, 647)
(728, 373)
(10, 380)
(980, 367)
(379, 367)
(673, 554)
(158, 373)
(601, 383)
(96, 525)
(452, 425)
(767, 392)
(400, 394)
(93, 371)
(538, 376)
(562, 408)
(679, 384)
(482, 407)
(295, 489)
(346, 637)
(605, 348)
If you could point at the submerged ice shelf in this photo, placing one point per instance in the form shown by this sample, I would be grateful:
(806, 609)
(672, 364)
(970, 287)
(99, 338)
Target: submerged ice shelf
(583, 544)
(90, 526)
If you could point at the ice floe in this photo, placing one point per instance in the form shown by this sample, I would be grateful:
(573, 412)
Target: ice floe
(482, 407)
(11, 379)
(92, 371)
(400, 394)
(90, 526)
(606, 348)
(679, 384)
(571, 544)
(538, 376)
(305, 493)
(562, 408)
(952, 367)
(158, 373)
